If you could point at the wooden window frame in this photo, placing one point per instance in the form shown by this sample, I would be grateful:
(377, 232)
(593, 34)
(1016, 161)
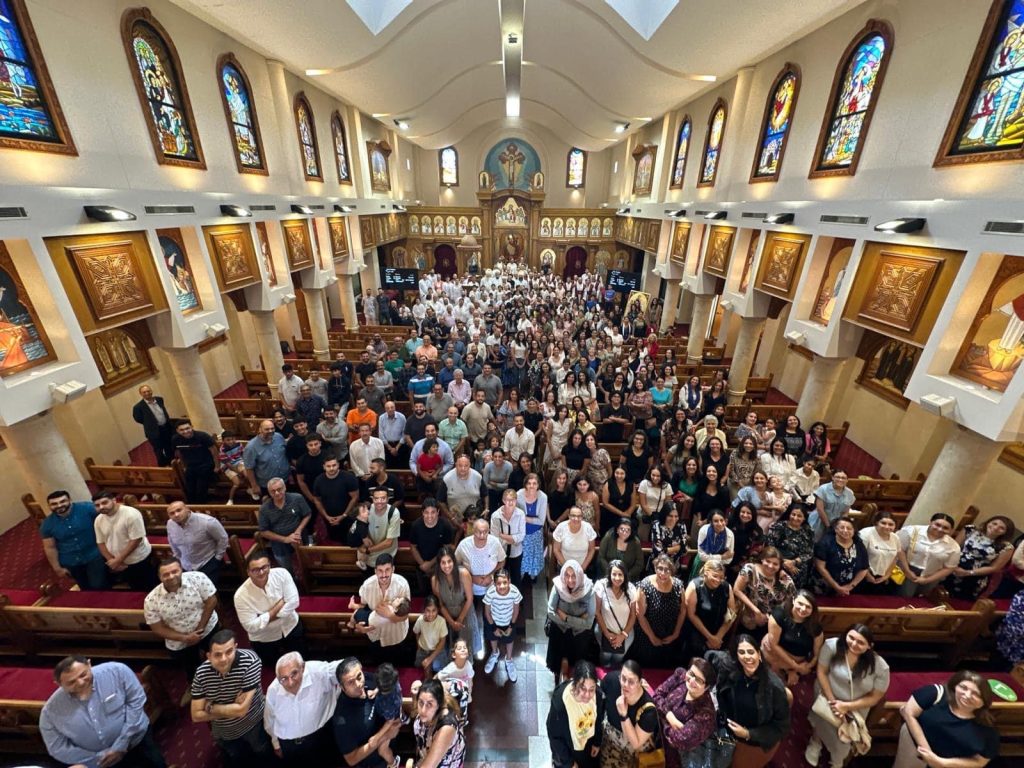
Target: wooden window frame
(336, 123)
(440, 167)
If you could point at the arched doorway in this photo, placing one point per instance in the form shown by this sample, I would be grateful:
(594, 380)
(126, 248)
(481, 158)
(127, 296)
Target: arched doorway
(444, 261)
(575, 262)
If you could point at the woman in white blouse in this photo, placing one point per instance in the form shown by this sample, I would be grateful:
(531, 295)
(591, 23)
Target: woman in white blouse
(777, 463)
(882, 544)
(615, 603)
(927, 554)
(574, 540)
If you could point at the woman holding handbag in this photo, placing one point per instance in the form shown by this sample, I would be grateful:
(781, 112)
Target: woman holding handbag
(632, 729)
(576, 719)
(852, 678)
(688, 716)
(615, 608)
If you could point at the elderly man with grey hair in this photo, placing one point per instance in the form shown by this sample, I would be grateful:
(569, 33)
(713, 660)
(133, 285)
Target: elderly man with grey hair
(283, 519)
(300, 705)
(709, 430)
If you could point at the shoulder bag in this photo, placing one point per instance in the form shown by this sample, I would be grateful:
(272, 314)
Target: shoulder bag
(654, 758)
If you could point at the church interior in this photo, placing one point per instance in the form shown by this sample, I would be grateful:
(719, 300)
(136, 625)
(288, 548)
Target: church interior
(818, 202)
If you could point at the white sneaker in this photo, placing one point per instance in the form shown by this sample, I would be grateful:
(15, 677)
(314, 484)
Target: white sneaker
(492, 662)
(813, 752)
(361, 565)
(511, 671)
(229, 502)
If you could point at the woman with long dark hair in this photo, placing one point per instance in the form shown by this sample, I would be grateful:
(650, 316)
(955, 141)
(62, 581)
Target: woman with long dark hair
(688, 715)
(438, 728)
(747, 536)
(575, 722)
(794, 638)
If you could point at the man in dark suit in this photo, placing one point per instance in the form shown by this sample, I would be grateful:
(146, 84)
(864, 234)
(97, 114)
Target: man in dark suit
(156, 422)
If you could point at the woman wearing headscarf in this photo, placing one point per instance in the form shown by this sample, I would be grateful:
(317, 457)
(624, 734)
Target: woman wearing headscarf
(570, 621)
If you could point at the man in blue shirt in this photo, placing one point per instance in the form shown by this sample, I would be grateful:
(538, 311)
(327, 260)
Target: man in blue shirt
(420, 385)
(69, 541)
(97, 717)
(265, 458)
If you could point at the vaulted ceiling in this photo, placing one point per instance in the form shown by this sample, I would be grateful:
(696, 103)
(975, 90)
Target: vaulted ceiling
(438, 64)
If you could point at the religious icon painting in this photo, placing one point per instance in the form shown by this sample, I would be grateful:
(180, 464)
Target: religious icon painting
(607, 227)
(583, 229)
(111, 278)
(832, 281)
(366, 230)
(748, 263)
(680, 239)
(716, 260)
(175, 259)
(232, 251)
(474, 225)
(380, 174)
(781, 263)
(463, 225)
(23, 340)
(122, 355)
(265, 255)
(545, 227)
(994, 347)
(888, 366)
(339, 237)
(297, 244)
(414, 225)
(898, 289)
(425, 226)
(643, 169)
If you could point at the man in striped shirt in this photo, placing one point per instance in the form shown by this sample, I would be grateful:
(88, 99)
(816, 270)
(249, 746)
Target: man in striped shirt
(226, 693)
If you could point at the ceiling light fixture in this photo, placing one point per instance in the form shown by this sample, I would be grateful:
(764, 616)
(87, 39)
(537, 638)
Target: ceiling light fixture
(678, 214)
(621, 127)
(305, 210)
(238, 211)
(108, 213)
(513, 38)
(399, 208)
(402, 123)
(344, 208)
(779, 218)
(512, 105)
(715, 215)
(622, 211)
(901, 226)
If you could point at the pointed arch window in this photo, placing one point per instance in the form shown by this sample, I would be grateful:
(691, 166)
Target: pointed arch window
(987, 124)
(778, 117)
(340, 149)
(240, 112)
(682, 151)
(576, 168)
(712, 155)
(448, 167)
(30, 115)
(163, 94)
(305, 126)
(855, 91)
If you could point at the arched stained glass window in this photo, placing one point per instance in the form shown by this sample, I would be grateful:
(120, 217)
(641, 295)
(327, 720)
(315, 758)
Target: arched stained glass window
(778, 116)
(156, 70)
(576, 168)
(682, 151)
(30, 115)
(712, 146)
(988, 123)
(340, 151)
(448, 166)
(240, 112)
(308, 147)
(855, 92)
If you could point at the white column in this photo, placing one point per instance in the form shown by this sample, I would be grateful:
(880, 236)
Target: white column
(285, 115)
(668, 311)
(820, 388)
(348, 302)
(44, 457)
(317, 324)
(270, 346)
(187, 370)
(956, 478)
(702, 303)
(685, 307)
(743, 357)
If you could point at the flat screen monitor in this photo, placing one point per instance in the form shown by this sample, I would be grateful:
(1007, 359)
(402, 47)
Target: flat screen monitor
(624, 282)
(402, 279)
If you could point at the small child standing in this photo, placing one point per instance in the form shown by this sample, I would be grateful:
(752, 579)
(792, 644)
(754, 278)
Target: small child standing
(387, 704)
(501, 609)
(358, 535)
(229, 461)
(457, 677)
(431, 634)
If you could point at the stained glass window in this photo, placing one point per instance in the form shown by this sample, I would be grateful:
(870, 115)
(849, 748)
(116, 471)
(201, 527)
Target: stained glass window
(854, 97)
(162, 90)
(713, 146)
(340, 153)
(448, 163)
(30, 117)
(306, 128)
(682, 150)
(576, 168)
(778, 115)
(991, 120)
(241, 115)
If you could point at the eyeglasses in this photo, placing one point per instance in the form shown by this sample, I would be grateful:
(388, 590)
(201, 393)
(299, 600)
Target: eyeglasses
(696, 678)
(294, 675)
(260, 569)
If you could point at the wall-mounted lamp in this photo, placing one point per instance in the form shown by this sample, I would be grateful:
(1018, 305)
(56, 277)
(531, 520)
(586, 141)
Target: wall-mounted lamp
(239, 211)
(795, 337)
(399, 208)
(622, 211)
(401, 123)
(344, 208)
(716, 215)
(779, 218)
(621, 127)
(938, 404)
(108, 213)
(213, 330)
(901, 226)
(288, 298)
(676, 214)
(305, 210)
(69, 390)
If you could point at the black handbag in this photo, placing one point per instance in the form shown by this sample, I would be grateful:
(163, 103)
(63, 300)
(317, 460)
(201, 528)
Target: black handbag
(714, 752)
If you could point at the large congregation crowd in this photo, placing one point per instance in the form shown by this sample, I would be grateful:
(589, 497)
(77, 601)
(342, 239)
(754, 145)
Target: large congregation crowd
(702, 540)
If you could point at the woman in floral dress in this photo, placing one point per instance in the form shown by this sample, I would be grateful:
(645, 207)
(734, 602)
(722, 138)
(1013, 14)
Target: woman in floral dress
(983, 552)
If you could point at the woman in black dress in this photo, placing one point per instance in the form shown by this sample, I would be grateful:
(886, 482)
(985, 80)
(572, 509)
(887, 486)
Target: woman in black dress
(660, 614)
(712, 493)
(709, 602)
(618, 500)
(636, 458)
(560, 498)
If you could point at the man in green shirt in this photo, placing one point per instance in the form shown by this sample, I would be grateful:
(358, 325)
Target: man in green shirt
(453, 431)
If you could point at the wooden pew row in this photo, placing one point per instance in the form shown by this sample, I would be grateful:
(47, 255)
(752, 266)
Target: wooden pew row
(330, 569)
(261, 405)
(734, 414)
(24, 691)
(896, 496)
(238, 549)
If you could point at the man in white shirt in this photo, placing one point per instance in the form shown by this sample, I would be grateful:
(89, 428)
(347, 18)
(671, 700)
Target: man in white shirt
(267, 606)
(182, 610)
(289, 387)
(363, 451)
(377, 593)
(483, 555)
(519, 439)
(121, 538)
(299, 708)
(460, 390)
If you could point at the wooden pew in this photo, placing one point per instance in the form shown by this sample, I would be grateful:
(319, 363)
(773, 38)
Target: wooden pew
(238, 549)
(24, 691)
(237, 519)
(757, 387)
(884, 720)
(907, 626)
(324, 620)
(155, 482)
(734, 414)
(261, 405)
(333, 569)
(896, 496)
(256, 381)
(11, 644)
(836, 435)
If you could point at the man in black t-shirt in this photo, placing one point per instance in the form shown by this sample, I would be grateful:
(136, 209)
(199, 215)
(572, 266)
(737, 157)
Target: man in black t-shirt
(335, 494)
(428, 535)
(381, 478)
(416, 424)
(309, 467)
(358, 733)
(198, 453)
(295, 448)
